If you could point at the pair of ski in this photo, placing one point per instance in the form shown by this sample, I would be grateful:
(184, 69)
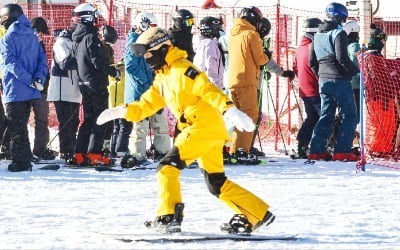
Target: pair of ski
(99, 168)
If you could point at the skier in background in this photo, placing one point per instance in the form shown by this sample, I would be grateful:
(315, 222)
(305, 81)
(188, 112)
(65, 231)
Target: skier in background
(139, 78)
(64, 93)
(209, 54)
(24, 70)
(308, 87)
(93, 69)
(40, 106)
(330, 61)
(181, 31)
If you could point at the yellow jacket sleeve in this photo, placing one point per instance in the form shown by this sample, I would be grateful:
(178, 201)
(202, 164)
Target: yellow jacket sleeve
(150, 102)
(211, 94)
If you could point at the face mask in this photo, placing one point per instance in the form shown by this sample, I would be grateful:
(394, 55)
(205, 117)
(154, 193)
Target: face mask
(73, 27)
(158, 59)
(8, 22)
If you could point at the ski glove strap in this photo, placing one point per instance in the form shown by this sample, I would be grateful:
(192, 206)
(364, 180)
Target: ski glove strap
(240, 120)
(111, 114)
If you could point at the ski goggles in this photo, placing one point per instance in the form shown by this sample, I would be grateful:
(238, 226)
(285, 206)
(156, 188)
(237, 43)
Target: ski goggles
(189, 22)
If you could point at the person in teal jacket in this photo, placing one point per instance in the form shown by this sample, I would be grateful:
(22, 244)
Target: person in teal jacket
(138, 78)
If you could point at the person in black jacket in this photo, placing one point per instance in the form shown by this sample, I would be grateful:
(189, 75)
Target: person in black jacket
(93, 70)
(40, 107)
(330, 62)
(181, 32)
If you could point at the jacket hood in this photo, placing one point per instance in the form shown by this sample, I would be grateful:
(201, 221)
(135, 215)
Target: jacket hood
(174, 54)
(305, 40)
(327, 26)
(81, 30)
(132, 36)
(21, 26)
(239, 24)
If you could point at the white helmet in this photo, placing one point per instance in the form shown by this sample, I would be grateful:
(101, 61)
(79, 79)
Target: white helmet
(145, 20)
(351, 26)
(86, 12)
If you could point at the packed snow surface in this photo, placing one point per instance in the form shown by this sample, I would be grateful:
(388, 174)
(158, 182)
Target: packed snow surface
(326, 204)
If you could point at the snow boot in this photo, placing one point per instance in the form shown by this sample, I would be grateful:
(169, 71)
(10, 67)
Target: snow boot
(170, 223)
(268, 219)
(19, 167)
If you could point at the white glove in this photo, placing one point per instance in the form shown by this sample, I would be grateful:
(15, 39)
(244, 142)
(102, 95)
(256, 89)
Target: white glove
(37, 84)
(111, 114)
(240, 120)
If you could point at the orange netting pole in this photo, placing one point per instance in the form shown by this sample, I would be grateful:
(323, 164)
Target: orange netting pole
(278, 60)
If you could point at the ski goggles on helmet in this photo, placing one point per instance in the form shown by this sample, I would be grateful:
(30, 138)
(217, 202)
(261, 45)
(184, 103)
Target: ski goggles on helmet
(189, 22)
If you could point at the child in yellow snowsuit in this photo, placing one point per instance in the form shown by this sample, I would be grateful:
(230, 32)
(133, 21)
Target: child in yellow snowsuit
(198, 106)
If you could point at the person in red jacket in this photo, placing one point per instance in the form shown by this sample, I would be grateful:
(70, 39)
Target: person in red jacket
(308, 87)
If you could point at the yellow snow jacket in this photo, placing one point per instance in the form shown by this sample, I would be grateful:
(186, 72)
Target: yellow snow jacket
(246, 54)
(2, 33)
(196, 103)
(116, 88)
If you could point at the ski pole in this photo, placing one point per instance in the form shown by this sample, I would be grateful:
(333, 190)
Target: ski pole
(54, 137)
(276, 117)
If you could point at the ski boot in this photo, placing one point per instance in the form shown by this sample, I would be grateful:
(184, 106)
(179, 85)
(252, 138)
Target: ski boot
(244, 158)
(257, 152)
(99, 159)
(170, 223)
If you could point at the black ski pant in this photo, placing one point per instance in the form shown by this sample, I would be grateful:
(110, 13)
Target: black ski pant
(90, 135)
(41, 114)
(4, 139)
(68, 119)
(17, 114)
(120, 135)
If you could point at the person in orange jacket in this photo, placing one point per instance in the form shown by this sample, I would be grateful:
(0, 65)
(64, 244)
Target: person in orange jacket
(244, 74)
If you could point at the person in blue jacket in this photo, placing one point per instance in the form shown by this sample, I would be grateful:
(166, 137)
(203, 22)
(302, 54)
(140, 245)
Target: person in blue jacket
(329, 60)
(24, 70)
(138, 78)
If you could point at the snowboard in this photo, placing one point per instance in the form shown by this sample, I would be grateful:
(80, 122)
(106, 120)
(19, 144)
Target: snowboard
(196, 237)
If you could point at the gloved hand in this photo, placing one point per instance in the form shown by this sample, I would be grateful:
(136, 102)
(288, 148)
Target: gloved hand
(118, 75)
(37, 84)
(240, 120)
(268, 53)
(111, 114)
(289, 74)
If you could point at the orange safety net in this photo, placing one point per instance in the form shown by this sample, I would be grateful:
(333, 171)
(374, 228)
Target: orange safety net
(382, 98)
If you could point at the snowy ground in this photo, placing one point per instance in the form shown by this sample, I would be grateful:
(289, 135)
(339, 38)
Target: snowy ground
(326, 204)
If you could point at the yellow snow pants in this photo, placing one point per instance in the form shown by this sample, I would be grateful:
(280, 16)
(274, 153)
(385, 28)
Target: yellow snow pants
(208, 153)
